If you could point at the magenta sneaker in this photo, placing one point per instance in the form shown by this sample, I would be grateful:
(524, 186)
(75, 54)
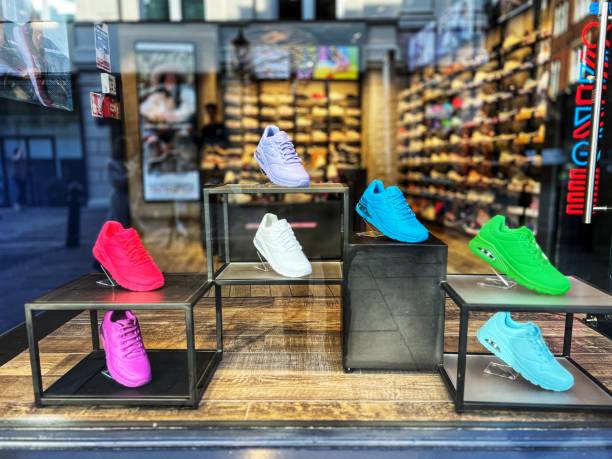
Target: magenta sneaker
(277, 158)
(126, 358)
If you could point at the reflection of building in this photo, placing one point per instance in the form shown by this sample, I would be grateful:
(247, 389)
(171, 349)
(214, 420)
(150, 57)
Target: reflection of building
(569, 19)
(73, 146)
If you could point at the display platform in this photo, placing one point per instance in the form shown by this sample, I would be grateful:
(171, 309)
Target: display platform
(393, 308)
(87, 381)
(323, 272)
(485, 389)
(180, 376)
(463, 373)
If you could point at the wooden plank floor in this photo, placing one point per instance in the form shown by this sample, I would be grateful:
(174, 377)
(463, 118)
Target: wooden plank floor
(282, 362)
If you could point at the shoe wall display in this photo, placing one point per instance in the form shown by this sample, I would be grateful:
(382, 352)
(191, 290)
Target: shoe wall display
(122, 254)
(522, 347)
(515, 253)
(387, 210)
(276, 243)
(487, 117)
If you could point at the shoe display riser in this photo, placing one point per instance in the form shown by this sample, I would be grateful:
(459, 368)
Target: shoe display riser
(463, 372)
(393, 309)
(179, 376)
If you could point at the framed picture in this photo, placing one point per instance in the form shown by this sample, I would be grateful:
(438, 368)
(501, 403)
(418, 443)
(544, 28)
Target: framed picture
(167, 108)
(337, 63)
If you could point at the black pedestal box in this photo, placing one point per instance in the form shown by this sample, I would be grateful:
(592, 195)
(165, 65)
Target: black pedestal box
(393, 307)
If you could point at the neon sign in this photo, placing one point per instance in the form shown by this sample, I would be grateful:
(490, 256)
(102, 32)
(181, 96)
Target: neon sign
(583, 123)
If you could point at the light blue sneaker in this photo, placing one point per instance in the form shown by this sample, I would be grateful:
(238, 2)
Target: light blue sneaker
(387, 210)
(521, 346)
(277, 158)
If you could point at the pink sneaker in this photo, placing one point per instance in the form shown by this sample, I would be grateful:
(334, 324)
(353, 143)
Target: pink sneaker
(126, 358)
(121, 253)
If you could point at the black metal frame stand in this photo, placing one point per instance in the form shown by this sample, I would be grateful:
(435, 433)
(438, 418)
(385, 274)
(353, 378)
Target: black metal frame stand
(180, 376)
(246, 273)
(462, 366)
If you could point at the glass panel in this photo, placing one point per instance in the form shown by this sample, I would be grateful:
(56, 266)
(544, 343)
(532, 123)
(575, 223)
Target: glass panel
(40, 149)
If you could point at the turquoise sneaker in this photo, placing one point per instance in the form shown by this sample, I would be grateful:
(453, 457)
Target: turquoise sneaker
(387, 210)
(521, 346)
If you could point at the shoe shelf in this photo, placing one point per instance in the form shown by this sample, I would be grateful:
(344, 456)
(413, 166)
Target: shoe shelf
(224, 270)
(323, 272)
(493, 107)
(464, 373)
(180, 376)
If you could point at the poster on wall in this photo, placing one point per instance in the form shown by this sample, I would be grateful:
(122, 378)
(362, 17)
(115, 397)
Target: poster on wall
(35, 63)
(337, 63)
(271, 62)
(304, 58)
(167, 108)
(455, 27)
(422, 47)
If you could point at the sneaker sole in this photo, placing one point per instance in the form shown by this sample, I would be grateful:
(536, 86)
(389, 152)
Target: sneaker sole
(485, 340)
(381, 227)
(484, 250)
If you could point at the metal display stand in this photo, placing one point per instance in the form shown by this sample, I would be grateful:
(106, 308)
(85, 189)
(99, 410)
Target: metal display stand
(325, 272)
(464, 374)
(180, 376)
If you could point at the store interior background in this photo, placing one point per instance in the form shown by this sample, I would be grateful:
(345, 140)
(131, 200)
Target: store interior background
(394, 88)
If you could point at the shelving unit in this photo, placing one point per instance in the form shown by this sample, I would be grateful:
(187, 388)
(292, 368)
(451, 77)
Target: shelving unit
(471, 135)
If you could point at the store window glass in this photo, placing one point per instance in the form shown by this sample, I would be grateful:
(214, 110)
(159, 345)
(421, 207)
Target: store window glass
(155, 10)
(463, 105)
(581, 10)
(334, 160)
(561, 18)
(555, 75)
(192, 9)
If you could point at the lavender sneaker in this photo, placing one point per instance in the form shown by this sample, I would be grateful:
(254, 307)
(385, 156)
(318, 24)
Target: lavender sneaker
(126, 358)
(276, 156)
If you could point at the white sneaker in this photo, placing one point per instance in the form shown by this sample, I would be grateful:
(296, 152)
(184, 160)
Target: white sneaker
(276, 242)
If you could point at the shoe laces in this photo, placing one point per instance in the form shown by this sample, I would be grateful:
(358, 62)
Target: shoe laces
(130, 340)
(399, 204)
(533, 247)
(287, 238)
(540, 348)
(287, 151)
(135, 250)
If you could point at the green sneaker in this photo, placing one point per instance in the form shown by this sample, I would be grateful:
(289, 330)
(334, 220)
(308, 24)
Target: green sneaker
(516, 253)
